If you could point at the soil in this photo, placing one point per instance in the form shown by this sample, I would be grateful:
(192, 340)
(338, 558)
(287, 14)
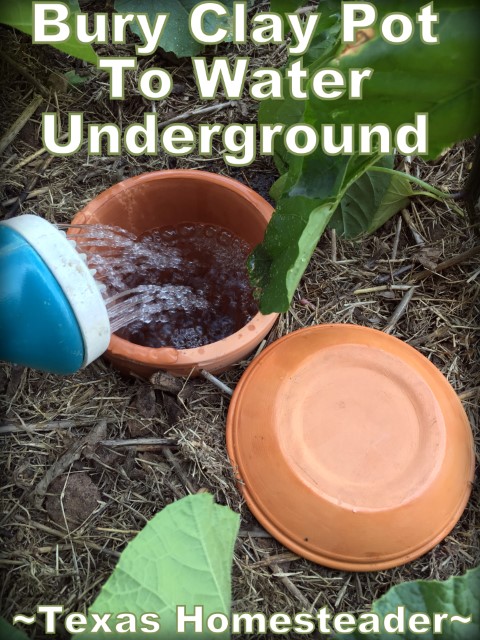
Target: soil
(71, 499)
(113, 491)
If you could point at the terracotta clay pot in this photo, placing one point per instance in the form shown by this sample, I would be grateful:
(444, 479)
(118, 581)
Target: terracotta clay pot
(161, 198)
(351, 448)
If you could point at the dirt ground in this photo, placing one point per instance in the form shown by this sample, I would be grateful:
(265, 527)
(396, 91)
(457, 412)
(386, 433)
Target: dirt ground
(113, 491)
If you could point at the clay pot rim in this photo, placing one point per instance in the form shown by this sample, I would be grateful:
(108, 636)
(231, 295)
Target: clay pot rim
(161, 356)
(165, 174)
(270, 516)
(336, 561)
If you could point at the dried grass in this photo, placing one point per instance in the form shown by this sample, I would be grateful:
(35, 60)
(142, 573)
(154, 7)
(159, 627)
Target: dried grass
(40, 562)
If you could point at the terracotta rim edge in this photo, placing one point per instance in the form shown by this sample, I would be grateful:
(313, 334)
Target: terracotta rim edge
(353, 565)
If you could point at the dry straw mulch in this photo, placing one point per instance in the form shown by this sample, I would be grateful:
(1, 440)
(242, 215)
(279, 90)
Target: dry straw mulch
(52, 550)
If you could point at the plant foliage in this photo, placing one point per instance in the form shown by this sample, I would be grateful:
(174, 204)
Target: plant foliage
(19, 14)
(285, 6)
(441, 80)
(183, 556)
(7, 631)
(176, 37)
(457, 596)
(371, 201)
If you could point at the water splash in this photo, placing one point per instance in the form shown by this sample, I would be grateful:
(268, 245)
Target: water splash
(183, 286)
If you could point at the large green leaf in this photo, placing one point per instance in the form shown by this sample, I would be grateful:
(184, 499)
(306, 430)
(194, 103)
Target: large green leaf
(442, 80)
(7, 631)
(183, 556)
(372, 200)
(457, 596)
(327, 37)
(19, 14)
(285, 6)
(325, 42)
(277, 265)
(176, 37)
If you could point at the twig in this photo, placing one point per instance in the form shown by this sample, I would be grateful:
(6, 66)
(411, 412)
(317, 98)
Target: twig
(342, 592)
(333, 236)
(20, 122)
(33, 156)
(382, 287)
(183, 477)
(253, 533)
(64, 462)
(26, 74)
(399, 311)
(195, 112)
(218, 383)
(24, 194)
(418, 238)
(385, 277)
(261, 347)
(434, 336)
(397, 237)
(474, 276)
(166, 382)
(470, 393)
(140, 442)
(304, 10)
(294, 590)
(446, 264)
(6, 428)
(64, 535)
(30, 196)
(288, 556)
(10, 427)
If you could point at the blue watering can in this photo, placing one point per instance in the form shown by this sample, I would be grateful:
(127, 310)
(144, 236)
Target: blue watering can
(52, 314)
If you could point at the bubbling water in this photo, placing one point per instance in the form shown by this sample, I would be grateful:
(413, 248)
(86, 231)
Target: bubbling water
(180, 286)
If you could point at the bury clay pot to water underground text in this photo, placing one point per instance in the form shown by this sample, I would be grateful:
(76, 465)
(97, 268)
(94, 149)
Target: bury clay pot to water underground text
(168, 198)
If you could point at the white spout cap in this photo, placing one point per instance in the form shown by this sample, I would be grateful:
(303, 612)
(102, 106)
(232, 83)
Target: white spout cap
(74, 278)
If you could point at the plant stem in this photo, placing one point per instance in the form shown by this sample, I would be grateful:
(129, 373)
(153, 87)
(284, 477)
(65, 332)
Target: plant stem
(406, 176)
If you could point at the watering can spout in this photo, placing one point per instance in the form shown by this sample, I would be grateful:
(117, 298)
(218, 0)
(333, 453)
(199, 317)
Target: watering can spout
(52, 315)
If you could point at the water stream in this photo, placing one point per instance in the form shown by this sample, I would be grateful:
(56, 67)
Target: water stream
(184, 286)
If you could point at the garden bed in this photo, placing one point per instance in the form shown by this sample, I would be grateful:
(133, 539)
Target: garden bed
(360, 282)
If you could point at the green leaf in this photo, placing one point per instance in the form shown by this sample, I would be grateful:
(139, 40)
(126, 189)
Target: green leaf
(183, 556)
(19, 14)
(278, 186)
(441, 80)
(304, 210)
(287, 112)
(74, 79)
(276, 266)
(176, 37)
(10, 632)
(285, 6)
(457, 596)
(372, 200)
(325, 42)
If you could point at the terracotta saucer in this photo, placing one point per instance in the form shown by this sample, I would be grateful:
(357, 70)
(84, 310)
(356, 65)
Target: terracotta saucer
(350, 447)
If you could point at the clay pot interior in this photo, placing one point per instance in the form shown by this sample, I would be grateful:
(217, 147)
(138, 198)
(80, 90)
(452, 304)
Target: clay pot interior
(163, 198)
